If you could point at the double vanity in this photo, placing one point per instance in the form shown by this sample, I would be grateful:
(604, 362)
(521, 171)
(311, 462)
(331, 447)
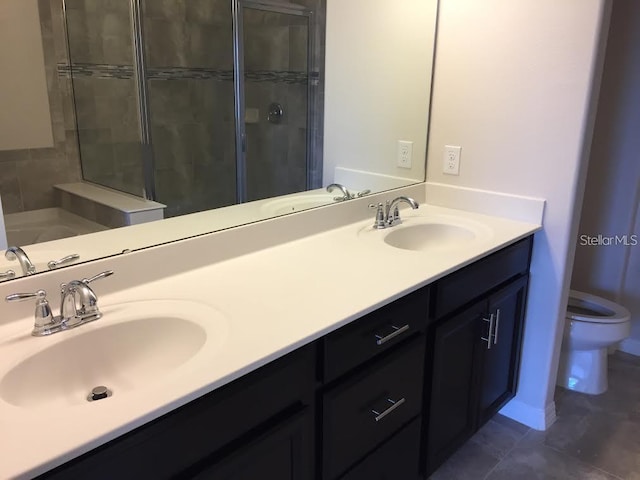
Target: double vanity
(340, 351)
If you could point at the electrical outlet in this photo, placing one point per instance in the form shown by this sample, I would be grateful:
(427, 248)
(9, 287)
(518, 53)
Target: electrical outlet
(451, 165)
(405, 151)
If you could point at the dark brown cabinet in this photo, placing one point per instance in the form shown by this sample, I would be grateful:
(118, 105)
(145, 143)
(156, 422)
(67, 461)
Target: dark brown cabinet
(501, 353)
(281, 452)
(368, 408)
(476, 350)
(262, 419)
(387, 397)
(373, 373)
(394, 460)
(451, 419)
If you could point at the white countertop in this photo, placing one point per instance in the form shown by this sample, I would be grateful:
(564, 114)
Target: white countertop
(273, 300)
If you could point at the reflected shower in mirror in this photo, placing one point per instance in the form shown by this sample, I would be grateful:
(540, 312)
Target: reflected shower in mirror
(124, 112)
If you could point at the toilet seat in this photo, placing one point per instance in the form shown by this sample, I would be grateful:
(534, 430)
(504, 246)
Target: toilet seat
(584, 307)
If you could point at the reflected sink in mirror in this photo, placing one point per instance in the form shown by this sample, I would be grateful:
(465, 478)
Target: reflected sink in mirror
(132, 346)
(425, 233)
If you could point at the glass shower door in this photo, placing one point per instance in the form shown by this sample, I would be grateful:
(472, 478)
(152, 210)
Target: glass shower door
(189, 74)
(272, 64)
(102, 71)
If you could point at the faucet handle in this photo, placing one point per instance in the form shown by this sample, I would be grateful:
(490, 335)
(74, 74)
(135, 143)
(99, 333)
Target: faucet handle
(380, 215)
(53, 264)
(106, 273)
(8, 275)
(44, 319)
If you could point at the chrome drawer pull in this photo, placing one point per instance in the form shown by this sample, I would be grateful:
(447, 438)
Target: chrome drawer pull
(394, 405)
(397, 331)
(488, 338)
(495, 332)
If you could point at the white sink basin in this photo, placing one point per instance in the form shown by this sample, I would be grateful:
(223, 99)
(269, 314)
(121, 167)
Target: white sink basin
(428, 233)
(297, 203)
(132, 346)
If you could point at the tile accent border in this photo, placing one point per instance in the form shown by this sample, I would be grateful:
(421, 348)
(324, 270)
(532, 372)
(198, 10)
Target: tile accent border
(122, 72)
(126, 72)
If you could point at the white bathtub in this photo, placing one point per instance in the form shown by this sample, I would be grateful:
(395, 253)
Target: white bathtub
(36, 226)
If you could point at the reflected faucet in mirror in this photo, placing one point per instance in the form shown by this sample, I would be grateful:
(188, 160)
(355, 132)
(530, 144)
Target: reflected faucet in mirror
(28, 266)
(193, 149)
(346, 194)
(16, 253)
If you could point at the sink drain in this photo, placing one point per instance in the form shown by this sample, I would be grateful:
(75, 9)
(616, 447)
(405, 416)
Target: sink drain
(98, 393)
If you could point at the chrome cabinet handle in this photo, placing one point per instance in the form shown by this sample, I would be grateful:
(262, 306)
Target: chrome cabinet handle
(495, 332)
(394, 405)
(56, 263)
(488, 338)
(397, 331)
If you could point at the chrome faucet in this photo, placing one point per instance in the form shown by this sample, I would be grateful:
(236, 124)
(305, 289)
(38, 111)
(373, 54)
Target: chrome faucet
(16, 253)
(79, 305)
(388, 214)
(346, 194)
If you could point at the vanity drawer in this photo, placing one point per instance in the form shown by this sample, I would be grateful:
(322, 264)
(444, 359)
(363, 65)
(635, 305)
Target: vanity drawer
(396, 459)
(171, 444)
(358, 414)
(374, 333)
(471, 282)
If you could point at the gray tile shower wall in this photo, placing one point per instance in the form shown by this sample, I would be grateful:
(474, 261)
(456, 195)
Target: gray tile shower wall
(27, 176)
(190, 73)
(99, 31)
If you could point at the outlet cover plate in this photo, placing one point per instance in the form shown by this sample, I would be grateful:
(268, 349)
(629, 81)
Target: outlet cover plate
(451, 160)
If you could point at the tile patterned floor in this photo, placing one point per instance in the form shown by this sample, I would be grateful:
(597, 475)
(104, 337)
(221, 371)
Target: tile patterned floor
(593, 438)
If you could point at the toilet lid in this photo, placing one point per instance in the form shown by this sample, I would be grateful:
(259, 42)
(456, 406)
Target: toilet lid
(584, 307)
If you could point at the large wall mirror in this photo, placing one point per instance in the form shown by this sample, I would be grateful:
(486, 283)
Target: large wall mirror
(129, 123)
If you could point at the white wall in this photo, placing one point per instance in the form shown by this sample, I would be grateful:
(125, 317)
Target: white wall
(378, 72)
(612, 193)
(513, 87)
(25, 119)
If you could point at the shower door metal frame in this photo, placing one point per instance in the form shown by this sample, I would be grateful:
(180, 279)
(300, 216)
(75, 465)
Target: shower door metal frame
(239, 83)
(139, 64)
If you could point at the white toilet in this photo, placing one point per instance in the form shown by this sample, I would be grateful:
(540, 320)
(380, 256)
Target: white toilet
(592, 325)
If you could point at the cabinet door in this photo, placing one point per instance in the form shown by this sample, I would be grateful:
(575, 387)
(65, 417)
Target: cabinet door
(397, 459)
(453, 385)
(501, 354)
(283, 452)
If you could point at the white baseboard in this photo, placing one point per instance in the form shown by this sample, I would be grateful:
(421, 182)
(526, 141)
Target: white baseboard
(536, 418)
(630, 345)
(513, 207)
